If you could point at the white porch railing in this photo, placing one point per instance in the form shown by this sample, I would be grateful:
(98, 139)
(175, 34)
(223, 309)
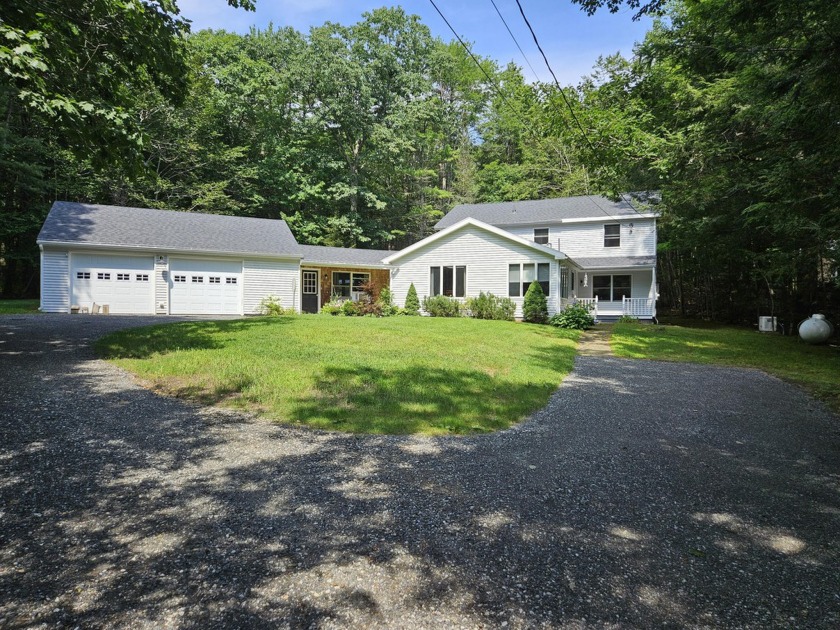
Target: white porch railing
(591, 302)
(637, 307)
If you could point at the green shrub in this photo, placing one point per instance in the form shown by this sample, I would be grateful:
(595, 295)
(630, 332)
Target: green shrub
(442, 306)
(412, 302)
(350, 308)
(489, 306)
(535, 305)
(628, 319)
(333, 307)
(386, 303)
(575, 316)
(270, 305)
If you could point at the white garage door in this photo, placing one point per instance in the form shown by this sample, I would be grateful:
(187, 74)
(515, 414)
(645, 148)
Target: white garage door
(124, 283)
(205, 287)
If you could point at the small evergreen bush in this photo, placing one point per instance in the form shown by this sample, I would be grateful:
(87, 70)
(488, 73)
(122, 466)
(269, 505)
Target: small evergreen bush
(535, 305)
(489, 306)
(412, 302)
(574, 316)
(270, 305)
(442, 306)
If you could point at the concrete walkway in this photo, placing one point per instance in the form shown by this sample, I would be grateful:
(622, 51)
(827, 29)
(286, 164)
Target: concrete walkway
(595, 342)
(644, 495)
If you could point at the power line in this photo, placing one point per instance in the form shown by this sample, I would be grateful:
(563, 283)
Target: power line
(524, 56)
(554, 76)
(518, 114)
(566, 100)
(480, 67)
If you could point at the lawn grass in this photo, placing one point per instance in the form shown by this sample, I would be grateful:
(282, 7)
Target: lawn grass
(363, 375)
(18, 307)
(815, 368)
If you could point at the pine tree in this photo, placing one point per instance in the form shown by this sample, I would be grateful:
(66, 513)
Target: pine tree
(535, 306)
(412, 302)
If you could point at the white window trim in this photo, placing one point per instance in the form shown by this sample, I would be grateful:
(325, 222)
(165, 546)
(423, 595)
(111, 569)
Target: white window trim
(611, 276)
(613, 236)
(547, 236)
(454, 280)
(523, 288)
(353, 275)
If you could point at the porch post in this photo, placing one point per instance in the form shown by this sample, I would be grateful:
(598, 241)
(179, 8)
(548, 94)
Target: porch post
(654, 294)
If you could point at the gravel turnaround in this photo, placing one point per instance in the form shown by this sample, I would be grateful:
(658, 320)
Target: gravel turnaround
(645, 494)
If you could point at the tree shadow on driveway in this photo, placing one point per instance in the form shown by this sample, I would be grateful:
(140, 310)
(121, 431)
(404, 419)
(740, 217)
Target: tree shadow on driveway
(638, 497)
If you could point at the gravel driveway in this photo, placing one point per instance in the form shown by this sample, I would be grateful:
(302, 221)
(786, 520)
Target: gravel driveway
(645, 494)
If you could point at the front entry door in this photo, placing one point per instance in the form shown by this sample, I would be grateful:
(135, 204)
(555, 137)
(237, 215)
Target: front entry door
(309, 283)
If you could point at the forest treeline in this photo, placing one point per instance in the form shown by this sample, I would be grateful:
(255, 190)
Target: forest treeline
(364, 135)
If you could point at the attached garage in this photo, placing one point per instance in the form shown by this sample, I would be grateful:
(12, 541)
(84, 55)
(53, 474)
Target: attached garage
(149, 261)
(124, 283)
(205, 287)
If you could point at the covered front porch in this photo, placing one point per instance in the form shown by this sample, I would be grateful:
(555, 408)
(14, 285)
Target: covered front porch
(627, 287)
(344, 274)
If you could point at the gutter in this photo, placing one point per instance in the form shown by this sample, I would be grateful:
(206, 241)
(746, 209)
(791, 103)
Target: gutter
(165, 250)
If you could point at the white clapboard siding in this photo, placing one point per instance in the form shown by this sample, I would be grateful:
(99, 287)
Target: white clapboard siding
(486, 256)
(587, 239)
(270, 277)
(55, 281)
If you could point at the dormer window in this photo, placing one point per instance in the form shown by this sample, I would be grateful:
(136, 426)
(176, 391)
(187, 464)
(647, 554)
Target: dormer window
(612, 235)
(541, 236)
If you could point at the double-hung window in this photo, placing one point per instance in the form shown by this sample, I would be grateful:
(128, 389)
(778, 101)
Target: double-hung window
(612, 235)
(611, 288)
(448, 280)
(521, 275)
(541, 236)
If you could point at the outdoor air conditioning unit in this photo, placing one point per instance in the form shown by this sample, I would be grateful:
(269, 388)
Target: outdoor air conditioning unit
(766, 324)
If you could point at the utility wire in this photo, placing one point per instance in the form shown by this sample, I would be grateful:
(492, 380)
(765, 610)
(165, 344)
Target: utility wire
(515, 41)
(498, 92)
(554, 76)
(566, 100)
(480, 67)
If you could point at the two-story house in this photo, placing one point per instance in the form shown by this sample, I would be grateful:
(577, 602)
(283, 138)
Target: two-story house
(586, 249)
(148, 261)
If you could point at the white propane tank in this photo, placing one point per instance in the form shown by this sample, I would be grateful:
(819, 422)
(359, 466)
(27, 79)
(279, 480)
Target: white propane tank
(816, 329)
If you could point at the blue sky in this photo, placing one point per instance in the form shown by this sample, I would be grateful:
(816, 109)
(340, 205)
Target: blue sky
(572, 40)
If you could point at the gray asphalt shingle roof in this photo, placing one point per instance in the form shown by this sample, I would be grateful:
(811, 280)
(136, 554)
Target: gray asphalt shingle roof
(93, 224)
(538, 211)
(616, 262)
(313, 254)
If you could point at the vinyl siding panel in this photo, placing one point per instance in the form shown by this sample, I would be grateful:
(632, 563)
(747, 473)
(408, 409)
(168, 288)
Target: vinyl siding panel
(587, 239)
(486, 257)
(55, 281)
(270, 277)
